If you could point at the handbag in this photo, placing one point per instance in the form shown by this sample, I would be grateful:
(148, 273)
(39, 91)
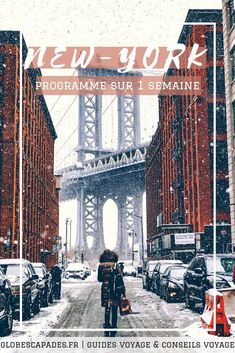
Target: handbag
(125, 307)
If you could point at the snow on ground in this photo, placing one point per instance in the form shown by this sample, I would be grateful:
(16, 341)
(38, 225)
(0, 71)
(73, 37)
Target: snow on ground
(33, 328)
(210, 343)
(195, 331)
(80, 308)
(40, 324)
(156, 312)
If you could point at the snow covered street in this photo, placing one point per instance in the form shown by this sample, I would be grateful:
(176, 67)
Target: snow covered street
(80, 309)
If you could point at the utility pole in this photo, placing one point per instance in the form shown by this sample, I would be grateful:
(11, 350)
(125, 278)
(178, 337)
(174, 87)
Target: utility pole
(66, 242)
(70, 235)
(142, 238)
(142, 235)
(132, 252)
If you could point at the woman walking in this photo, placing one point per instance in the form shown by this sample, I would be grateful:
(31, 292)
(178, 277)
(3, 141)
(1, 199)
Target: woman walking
(112, 289)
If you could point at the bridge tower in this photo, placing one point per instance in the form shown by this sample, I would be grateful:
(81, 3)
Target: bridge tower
(90, 204)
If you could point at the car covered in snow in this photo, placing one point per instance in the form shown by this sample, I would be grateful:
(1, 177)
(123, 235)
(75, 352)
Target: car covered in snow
(75, 270)
(129, 270)
(172, 284)
(6, 316)
(147, 274)
(158, 272)
(30, 292)
(44, 283)
(199, 277)
(87, 269)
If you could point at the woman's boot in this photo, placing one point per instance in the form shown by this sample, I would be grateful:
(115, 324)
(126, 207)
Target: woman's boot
(113, 333)
(107, 321)
(114, 321)
(106, 332)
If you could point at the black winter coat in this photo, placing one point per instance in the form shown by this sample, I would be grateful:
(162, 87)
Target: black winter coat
(106, 274)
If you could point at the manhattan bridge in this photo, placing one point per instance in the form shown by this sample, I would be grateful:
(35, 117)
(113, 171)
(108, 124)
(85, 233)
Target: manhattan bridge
(100, 174)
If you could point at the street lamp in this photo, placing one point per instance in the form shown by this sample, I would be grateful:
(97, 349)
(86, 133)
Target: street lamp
(66, 241)
(70, 235)
(132, 234)
(128, 233)
(142, 234)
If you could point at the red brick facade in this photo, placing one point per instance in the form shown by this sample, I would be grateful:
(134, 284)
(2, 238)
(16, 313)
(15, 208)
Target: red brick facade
(185, 137)
(40, 196)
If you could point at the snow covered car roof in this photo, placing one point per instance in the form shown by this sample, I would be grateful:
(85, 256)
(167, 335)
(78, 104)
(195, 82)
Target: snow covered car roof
(13, 261)
(74, 266)
(170, 261)
(38, 264)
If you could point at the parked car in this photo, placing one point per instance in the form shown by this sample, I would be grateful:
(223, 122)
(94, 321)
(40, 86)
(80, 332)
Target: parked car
(199, 277)
(6, 315)
(87, 269)
(30, 291)
(172, 283)
(158, 272)
(75, 270)
(139, 270)
(129, 270)
(148, 273)
(44, 284)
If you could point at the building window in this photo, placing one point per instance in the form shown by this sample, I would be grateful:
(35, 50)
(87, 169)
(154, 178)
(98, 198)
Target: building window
(220, 118)
(2, 67)
(210, 44)
(231, 12)
(234, 117)
(220, 87)
(221, 156)
(1, 95)
(222, 195)
(232, 57)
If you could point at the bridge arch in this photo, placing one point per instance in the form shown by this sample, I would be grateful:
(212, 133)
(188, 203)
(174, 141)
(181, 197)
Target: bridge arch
(110, 228)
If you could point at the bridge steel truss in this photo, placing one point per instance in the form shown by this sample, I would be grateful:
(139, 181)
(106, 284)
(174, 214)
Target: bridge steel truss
(96, 180)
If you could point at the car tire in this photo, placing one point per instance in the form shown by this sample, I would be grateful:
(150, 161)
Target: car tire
(51, 297)
(167, 297)
(27, 310)
(45, 299)
(6, 326)
(189, 303)
(36, 305)
(201, 309)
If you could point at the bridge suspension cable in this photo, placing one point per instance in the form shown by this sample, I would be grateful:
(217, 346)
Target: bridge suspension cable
(61, 162)
(115, 97)
(67, 110)
(68, 138)
(58, 98)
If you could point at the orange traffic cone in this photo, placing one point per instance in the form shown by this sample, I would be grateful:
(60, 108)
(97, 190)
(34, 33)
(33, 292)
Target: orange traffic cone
(216, 321)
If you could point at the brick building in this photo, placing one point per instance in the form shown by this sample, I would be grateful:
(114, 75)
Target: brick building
(40, 193)
(181, 156)
(229, 67)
